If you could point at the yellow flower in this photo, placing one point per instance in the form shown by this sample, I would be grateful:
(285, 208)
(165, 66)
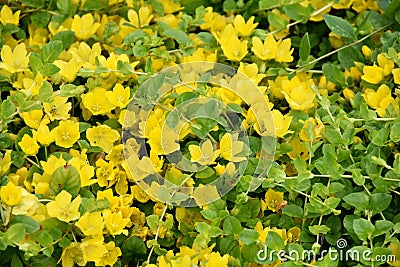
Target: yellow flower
(29, 145)
(127, 118)
(7, 17)
(68, 69)
(34, 118)
(386, 63)
(274, 200)
(396, 75)
(244, 28)
(96, 102)
(317, 127)
(163, 141)
(91, 223)
(119, 96)
(102, 136)
(230, 147)
(170, 6)
(205, 194)
(44, 136)
(293, 235)
(16, 60)
(203, 154)
(267, 50)
(139, 194)
(395, 248)
(93, 249)
(58, 108)
(111, 257)
(115, 223)
(271, 49)
(71, 255)
(348, 94)
(84, 27)
(233, 48)
(381, 99)
(140, 19)
(67, 133)
(282, 123)
(298, 94)
(10, 194)
(63, 209)
(298, 149)
(86, 54)
(215, 259)
(251, 71)
(372, 74)
(366, 51)
(5, 163)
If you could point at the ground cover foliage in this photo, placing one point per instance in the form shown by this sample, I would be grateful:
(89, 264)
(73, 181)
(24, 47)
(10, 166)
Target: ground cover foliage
(72, 149)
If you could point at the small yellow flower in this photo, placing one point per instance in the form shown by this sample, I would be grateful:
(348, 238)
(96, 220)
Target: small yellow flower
(215, 259)
(93, 249)
(142, 18)
(282, 123)
(372, 74)
(386, 64)
(366, 51)
(348, 94)
(96, 102)
(244, 28)
(266, 50)
(5, 163)
(63, 209)
(396, 75)
(73, 254)
(10, 194)
(7, 17)
(111, 257)
(16, 60)
(203, 154)
(29, 145)
(91, 224)
(233, 48)
(395, 248)
(298, 149)
(58, 108)
(163, 141)
(34, 118)
(274, 200)
(67, 133)
(84, 27)
(251, 71)
(293, 234)
(44, 136)
(102, 136)
(119, 96)
(115, 223)
(318, 129)
(230, 147)
(298, 94)
(381, 99)
(139, 194)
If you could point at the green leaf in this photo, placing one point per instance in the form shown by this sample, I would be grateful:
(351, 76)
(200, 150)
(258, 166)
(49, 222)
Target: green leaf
(16, 262)
(319, 229)
(153, 221)
(293, 210)
(15, 233)
(65, 178)
(33, 3)
(51, 51)
(69, 90)
(339, 26)
(395, 132)
(49, 69)
(248, 236)
(268, 4)
(298, 12)
(359, 200)
(379, 202)
(305, 47)
(363, 228)
(180, 36)
(7, 109)
(66, 38)
(95, 5)
(333, 74)
(30, 224)
(274, 241)
(45, 92)
(40, 19)
(132, 248)
(382, 227)
(232, 226)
